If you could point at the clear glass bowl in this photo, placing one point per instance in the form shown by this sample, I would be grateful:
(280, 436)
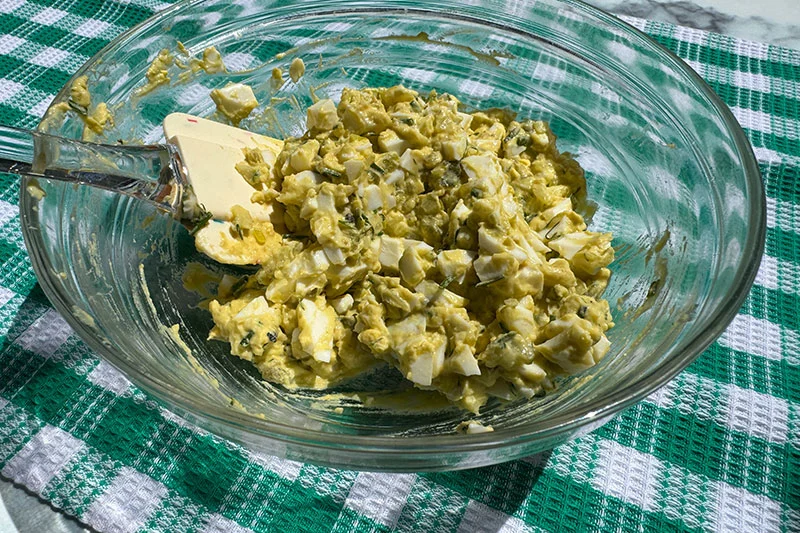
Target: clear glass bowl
(671, 172)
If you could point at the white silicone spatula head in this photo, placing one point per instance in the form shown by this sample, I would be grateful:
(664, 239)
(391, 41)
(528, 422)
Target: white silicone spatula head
(209, 153)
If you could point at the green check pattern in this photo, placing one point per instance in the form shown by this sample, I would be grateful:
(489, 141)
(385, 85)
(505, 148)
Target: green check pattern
(717, 449)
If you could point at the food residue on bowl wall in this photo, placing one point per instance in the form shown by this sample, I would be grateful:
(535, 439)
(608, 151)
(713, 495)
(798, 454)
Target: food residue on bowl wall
(158, 72)
(472, 427)
(96, 118)
(35, 190)
(296, 69)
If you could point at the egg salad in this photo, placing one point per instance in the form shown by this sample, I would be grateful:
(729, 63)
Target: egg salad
(448, 244)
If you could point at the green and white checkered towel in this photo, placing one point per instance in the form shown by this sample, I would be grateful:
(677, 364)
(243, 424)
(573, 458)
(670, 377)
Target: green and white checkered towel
(716, 449)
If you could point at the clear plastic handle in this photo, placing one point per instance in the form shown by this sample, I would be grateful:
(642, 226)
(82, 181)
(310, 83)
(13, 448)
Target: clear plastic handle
(150, 173)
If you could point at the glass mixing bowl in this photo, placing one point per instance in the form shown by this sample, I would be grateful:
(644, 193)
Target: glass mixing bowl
(670, 170)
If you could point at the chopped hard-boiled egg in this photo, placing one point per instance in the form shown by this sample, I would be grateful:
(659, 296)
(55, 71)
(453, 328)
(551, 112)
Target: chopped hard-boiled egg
(322, 115)
(235, 101)
(315, 328)
(441, 242)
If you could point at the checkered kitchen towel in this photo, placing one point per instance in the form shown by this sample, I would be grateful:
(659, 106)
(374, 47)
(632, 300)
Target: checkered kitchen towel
(716, 449)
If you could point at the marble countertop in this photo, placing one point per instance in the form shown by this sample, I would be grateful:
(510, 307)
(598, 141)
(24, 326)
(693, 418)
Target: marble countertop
(769, 21)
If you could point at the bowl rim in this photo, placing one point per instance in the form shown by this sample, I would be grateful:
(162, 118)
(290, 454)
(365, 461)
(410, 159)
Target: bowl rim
(598, 409)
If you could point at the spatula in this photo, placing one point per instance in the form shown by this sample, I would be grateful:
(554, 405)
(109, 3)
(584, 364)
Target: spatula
(191, 177)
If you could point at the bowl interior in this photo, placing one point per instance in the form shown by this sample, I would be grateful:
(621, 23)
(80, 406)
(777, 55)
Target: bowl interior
(668, 178)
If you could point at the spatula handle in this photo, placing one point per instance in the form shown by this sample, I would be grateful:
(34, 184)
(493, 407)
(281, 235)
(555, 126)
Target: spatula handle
(151, 173)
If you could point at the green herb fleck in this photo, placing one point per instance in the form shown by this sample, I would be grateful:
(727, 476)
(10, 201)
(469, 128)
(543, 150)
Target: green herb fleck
(503, 339)
(476, 193)
(363, 221)
(246, 339)
(488, 282)
(201, 222)
(78, 108)
(239, 285)
(511, 134)
(550, 235)
(447, 281)
(329, 172)
(377, 168)
(552, 224)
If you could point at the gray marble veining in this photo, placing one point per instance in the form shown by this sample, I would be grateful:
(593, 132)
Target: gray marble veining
(770, 21)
